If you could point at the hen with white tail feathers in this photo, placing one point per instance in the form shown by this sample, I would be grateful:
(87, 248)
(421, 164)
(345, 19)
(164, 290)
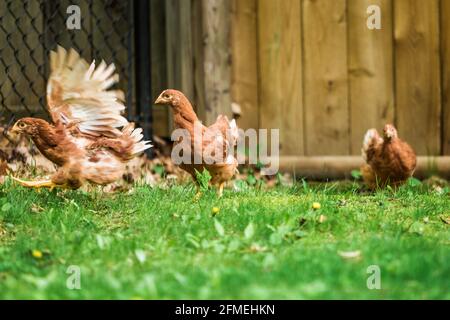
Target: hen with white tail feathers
(89, 138)
(389, 160)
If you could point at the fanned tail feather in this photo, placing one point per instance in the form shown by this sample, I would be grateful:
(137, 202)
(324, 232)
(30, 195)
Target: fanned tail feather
(81, 92)
(371, 139)
(136, 136)
(234, 131)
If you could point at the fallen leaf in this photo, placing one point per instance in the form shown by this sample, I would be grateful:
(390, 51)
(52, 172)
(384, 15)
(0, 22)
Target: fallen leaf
(6, 207)
(350, 254)
(2, 230)
(445, 219)
(299, 234)
(249, 231)
(417, 228)
(102, 241)
(322, 218)
(141, 256)
(269, 261)
(438, 190)
(35, 208)
(257, 248)
(219, 228)
(275, 238)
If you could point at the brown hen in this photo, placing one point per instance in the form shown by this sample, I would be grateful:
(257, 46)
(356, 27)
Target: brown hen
(211, 149)
(389, 160)
(84, 138)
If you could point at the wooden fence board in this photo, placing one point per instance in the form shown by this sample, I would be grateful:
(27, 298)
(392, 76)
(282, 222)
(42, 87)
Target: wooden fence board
(179, 48)
(445, 45)
(280, 63)
(172, 44)
(326, 80)
(186, 50)
(244, 79)
(172, 47)
(371, 73)
(216, 22)
(418, 90)
(159, 65)
(198, 54)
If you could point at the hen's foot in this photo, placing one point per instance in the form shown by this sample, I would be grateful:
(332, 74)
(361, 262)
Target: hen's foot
(36, 184)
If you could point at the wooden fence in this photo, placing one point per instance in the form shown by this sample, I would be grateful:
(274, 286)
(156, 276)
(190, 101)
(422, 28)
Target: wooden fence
(314, 70)
(191, 52)
(310, 68)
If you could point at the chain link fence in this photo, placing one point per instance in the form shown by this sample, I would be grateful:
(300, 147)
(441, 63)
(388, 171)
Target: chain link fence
(29, 29)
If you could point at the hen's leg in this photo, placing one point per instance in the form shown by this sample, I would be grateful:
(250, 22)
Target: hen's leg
(369, 176)
(68, 177)
(220, 193)
(199, 193)
(36, 184)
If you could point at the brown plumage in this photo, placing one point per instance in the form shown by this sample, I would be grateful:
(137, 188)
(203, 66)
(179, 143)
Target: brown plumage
(389, 160)
(84, 138)
(221, 137)
(3, 169)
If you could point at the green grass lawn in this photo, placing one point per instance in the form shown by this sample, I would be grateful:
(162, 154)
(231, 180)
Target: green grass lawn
(156, 243)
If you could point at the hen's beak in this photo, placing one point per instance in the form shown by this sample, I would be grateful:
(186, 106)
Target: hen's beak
(14, 130)
(160, 100)
(12, 134)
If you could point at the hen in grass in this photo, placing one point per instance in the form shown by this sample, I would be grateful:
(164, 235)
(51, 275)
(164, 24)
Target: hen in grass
(389, 160)
(210, 148)
(88, 138)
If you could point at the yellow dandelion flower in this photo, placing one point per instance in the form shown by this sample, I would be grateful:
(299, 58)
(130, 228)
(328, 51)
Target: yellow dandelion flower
(215, 210)
(37, 254)
(316, 205)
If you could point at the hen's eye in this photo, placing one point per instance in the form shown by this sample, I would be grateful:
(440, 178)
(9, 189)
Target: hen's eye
(22, 125)
(167, 96)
